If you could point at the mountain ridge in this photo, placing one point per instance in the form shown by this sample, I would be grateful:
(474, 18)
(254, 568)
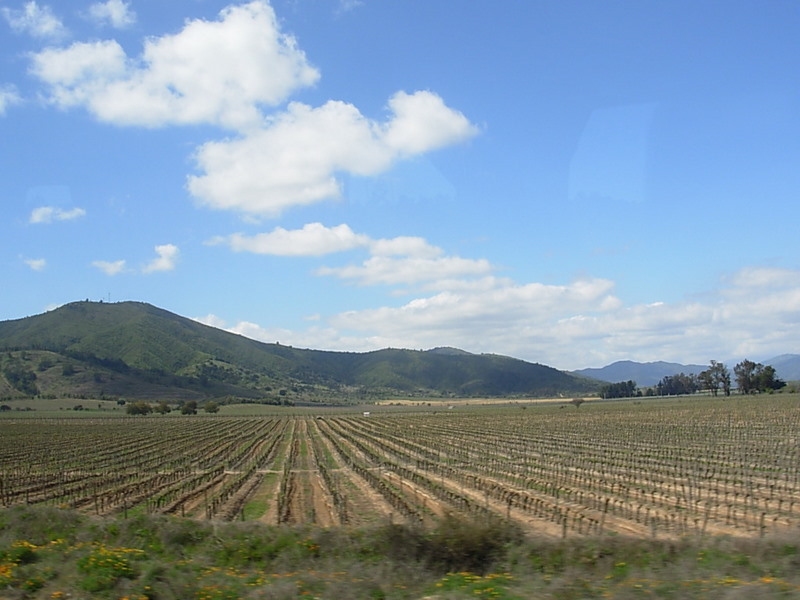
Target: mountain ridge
(102, 345)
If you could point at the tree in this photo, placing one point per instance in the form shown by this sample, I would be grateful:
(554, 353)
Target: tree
(162, 408)
(189, 408)
(675, 385)
(715, 377)
(622, 389)
(767, 380)
(752, 377)
(211, 407)
(138, 408)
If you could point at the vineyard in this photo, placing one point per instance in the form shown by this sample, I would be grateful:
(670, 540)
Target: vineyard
(650, 469)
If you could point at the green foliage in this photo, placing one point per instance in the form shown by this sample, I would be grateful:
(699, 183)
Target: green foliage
(138, 408)
(676, 385)
(102, 567)
(470, 585)
(188, 408)
(754, 377)
(47, 553)
(454, 545)
(19, 375)
(716, 377)
(623, 389)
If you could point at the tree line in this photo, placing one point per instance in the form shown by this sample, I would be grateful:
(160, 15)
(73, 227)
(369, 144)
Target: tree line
(162, 408)
(750, 378)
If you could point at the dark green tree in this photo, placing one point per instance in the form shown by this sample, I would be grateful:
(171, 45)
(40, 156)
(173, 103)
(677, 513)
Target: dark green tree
(675, 385)
(716, 377)
(622, 389)
(138, 408)
(768, 380)
(752, 377)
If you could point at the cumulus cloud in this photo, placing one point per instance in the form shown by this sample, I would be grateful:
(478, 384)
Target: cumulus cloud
(507, 306)
(387, 270)
(226, 73)
(400, 260)
(8, 97)
(48, 214)
(217, 72)
(110, 268)
(314, 239)
(574, 325)
(36, 264)
(35, 20)
(760, 277)
(404, 246)
(165, 261)
(212, 321)
(294, 159)
(116, 13)
(422, 122)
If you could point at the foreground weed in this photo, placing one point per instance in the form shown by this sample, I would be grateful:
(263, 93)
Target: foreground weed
(492, 586)
(103, 567)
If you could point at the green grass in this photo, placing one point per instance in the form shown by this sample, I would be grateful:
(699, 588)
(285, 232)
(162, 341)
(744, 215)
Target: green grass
(257, 506)
(47, 553)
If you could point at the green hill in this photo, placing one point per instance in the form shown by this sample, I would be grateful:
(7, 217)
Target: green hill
(135, 350)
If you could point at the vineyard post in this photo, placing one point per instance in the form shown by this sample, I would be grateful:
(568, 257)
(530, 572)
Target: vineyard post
(603, 517)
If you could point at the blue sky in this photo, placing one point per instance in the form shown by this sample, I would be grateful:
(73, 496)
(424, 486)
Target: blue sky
(567, 182)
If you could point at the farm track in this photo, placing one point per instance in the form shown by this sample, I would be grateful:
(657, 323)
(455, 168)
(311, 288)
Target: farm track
(666, 470)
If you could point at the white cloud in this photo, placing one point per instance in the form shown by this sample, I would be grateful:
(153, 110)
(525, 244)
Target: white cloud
(575, 325)
(225, 73)
(404, 246)
(409, 270)
(8, 97)
(216, 72)
(294, 159)
(110, 268)
(116, 13)
(314, 239)
(400, 260)
(48, 214)
(760, 277)
(166, 260)
(422, 122)
(36, 264)
(211, 320)
(35, 20)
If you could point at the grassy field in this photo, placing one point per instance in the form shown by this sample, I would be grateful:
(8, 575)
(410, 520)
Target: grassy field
(48, 553)
(680, 498)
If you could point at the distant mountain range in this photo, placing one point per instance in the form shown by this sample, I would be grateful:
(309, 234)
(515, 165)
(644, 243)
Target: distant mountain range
(136, 350)
(787, 367)
(644, 374)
